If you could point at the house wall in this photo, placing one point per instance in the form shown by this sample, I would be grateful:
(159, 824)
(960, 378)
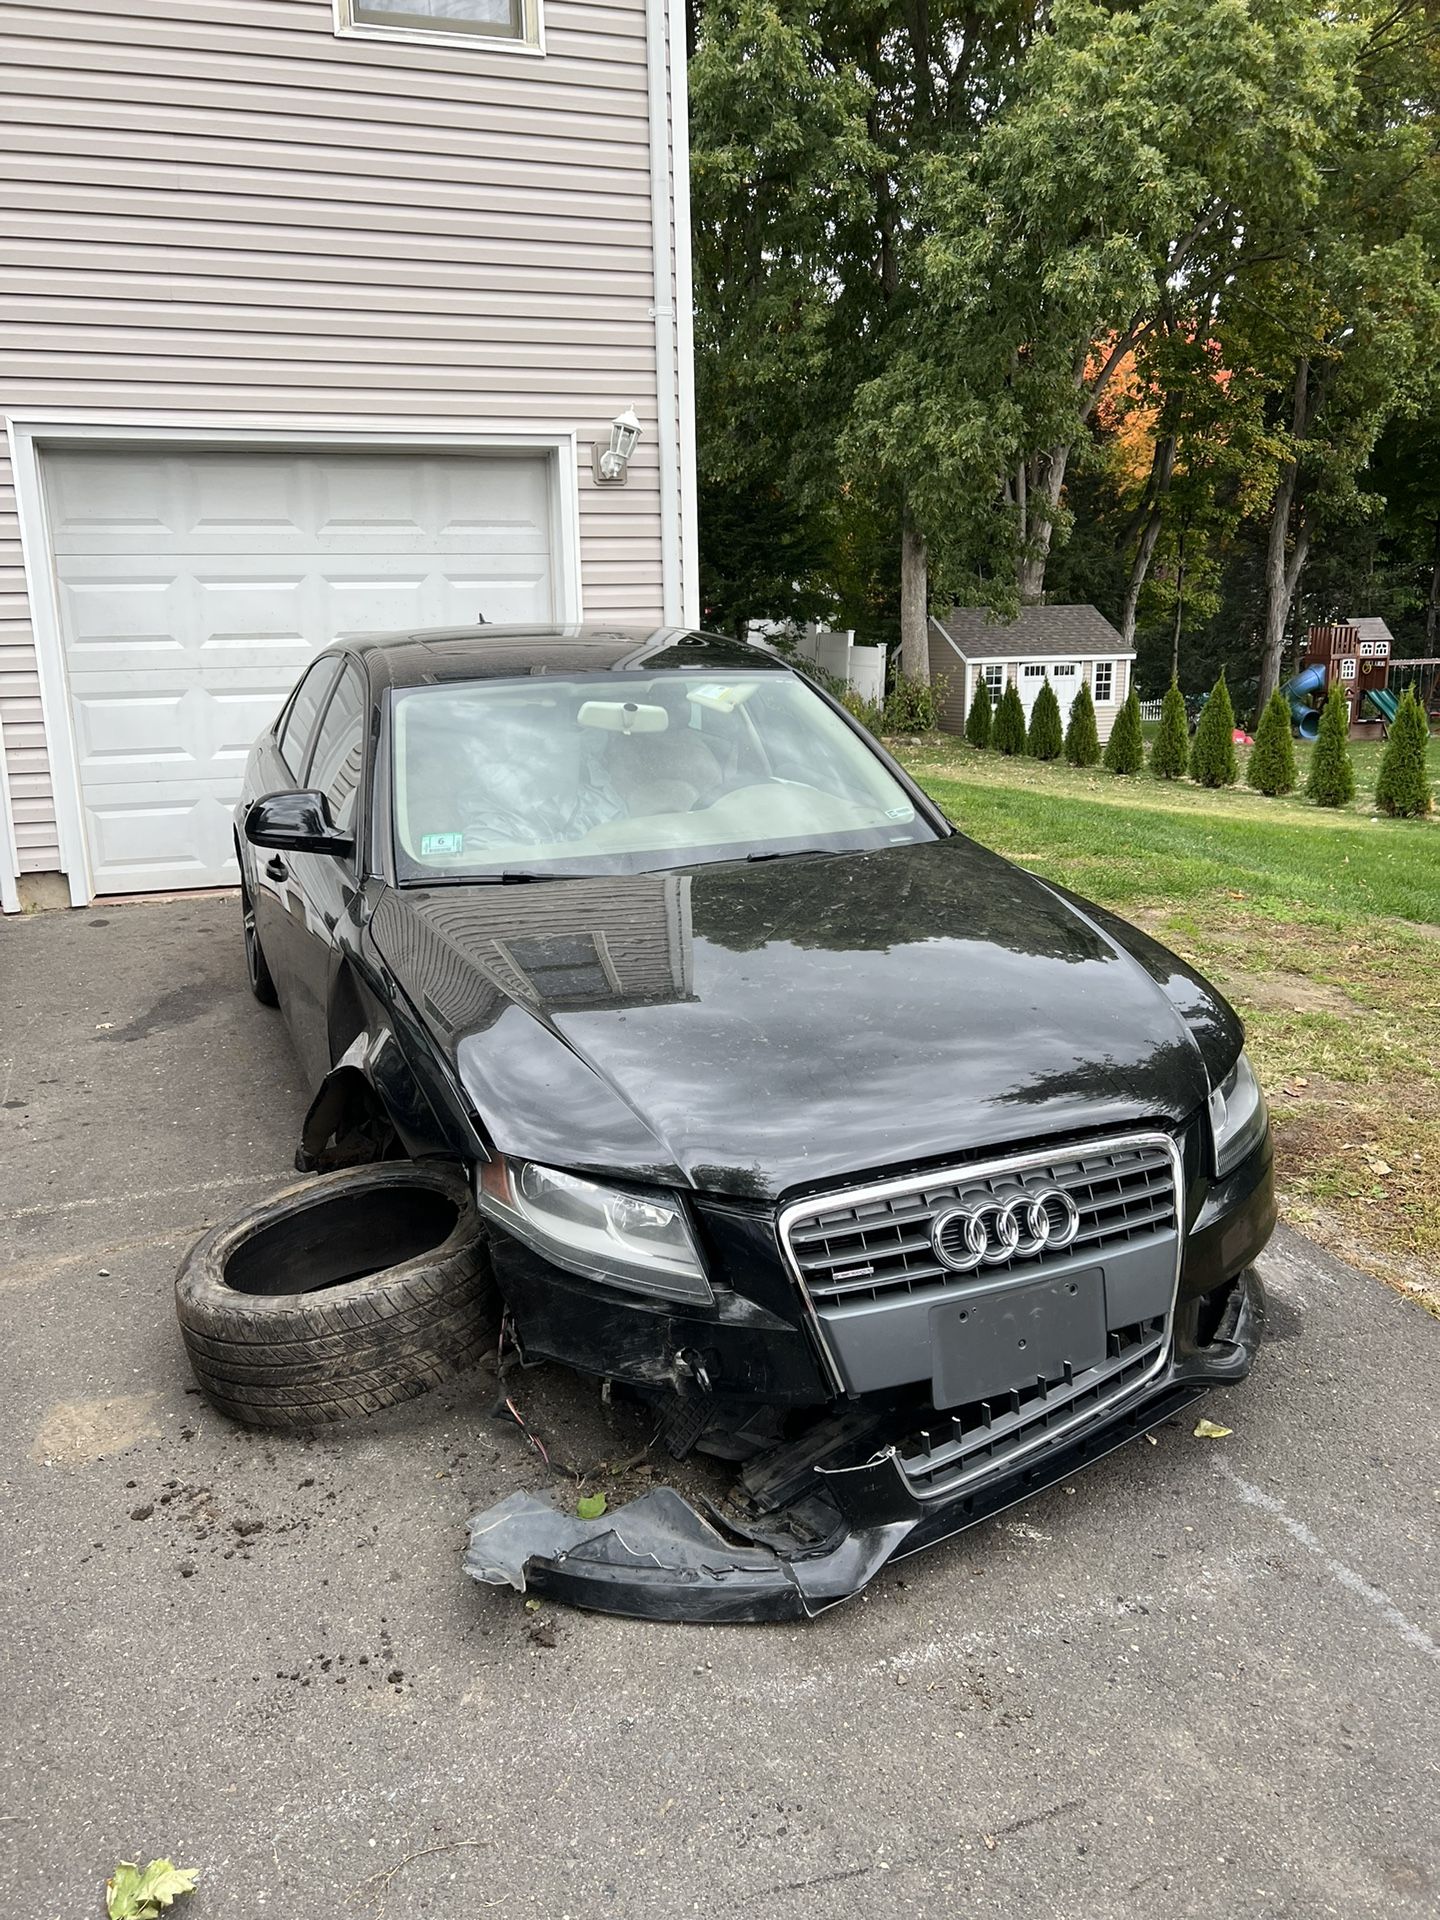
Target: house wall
(223, 215)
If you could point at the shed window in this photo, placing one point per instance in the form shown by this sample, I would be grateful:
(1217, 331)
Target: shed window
(994, 673)
(1034, 670)
(517, 20)
(1104, 680)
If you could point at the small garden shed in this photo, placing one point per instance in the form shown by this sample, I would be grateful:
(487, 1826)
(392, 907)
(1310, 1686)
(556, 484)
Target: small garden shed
(1062, 644)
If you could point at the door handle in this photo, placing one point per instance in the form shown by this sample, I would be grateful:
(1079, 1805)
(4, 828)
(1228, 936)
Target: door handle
(276, 868)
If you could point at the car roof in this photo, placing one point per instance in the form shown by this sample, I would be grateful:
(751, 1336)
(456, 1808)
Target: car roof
(433, 656)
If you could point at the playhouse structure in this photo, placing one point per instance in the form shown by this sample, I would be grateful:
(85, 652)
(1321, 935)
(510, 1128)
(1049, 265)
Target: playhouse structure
(1358, 656)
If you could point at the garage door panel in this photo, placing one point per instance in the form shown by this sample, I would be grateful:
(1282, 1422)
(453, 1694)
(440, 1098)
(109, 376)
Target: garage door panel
(154, 844)
(108, 617)
(194, 587)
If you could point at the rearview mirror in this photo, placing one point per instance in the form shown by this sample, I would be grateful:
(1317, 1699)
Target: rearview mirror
(295, 823)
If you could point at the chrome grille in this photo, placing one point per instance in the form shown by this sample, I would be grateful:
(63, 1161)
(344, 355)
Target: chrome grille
(874, 1243)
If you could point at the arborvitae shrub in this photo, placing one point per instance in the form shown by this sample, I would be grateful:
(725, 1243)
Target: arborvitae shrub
(1170, 755)
(1082, 736)
(1212, 752)
(981, 716)
(1046, 737)
(1125, 749)
(1008, 733)
(1404, 785)
(1271, 767)
(1332, 777)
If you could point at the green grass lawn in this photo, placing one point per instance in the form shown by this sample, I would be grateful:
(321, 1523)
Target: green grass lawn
(1322, 926)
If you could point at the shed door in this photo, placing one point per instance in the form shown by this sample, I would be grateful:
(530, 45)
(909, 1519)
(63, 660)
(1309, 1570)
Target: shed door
(193, 587)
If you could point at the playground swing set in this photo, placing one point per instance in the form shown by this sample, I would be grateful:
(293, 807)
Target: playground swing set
(1370, 678)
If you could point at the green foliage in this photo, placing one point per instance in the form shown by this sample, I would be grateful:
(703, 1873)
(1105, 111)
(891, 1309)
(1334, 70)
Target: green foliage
(1213, 760)
(590, 1506)
(981, 716)
(913, 706)
(1082, 736)
(1046, 738)
(1271, 768)
(1008, 733)
(1125, 749)
(863, 710)
(1332, 776)
(131, 1894)
(1403, 787)
(1170, 755)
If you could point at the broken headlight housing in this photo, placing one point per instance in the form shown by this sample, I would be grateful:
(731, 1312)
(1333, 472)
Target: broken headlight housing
(633, 1240)
(1238, 1117)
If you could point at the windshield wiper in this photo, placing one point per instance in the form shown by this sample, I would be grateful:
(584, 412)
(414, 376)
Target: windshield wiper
(792, 853)
(507, 877)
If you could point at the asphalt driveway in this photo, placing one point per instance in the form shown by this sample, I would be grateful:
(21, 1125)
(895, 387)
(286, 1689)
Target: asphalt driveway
(1202, 1681)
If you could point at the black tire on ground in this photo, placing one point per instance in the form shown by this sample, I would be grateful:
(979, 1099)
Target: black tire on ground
(257, 972)
(340, 1296)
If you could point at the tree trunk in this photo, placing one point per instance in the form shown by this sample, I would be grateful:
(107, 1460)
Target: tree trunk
(1160, 471)
(1179, 608)
(1282, 570)
(914, 600)
(1282, 576)
(1432, 605)
(1043, 500)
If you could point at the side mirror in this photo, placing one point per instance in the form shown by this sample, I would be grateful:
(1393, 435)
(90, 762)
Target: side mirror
(295, 823)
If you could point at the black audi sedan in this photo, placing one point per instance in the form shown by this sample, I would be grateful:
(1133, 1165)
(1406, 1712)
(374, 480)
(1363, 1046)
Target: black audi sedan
(904, 1180)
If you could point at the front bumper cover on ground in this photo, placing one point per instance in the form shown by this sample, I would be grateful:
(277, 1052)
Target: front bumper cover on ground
(658, 1558)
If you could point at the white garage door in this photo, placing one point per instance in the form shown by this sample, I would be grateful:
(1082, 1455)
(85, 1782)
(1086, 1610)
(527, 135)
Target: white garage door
(194, 587)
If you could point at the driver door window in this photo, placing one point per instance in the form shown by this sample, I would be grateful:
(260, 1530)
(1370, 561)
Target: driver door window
(299, 722)
(339, 750)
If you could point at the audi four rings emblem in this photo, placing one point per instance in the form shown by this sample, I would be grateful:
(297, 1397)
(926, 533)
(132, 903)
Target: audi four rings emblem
(1000, 1227)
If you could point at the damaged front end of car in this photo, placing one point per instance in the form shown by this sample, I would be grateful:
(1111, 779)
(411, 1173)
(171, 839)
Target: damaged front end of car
(930, 1371)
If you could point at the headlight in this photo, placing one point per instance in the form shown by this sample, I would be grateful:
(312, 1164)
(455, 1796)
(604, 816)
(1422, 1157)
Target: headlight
(626, 1239)
(1237, 1117)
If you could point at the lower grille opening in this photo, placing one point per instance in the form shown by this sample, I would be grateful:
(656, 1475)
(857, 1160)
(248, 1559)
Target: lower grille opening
(977, 1440)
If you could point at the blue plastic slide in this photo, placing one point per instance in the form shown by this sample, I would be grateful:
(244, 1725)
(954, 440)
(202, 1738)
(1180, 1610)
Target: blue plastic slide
(1296, 691)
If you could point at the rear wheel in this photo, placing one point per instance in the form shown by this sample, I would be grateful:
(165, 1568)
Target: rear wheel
(256, 971)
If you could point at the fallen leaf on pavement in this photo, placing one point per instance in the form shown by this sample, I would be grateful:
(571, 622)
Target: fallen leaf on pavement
(133, 1895)
(1207, 1430)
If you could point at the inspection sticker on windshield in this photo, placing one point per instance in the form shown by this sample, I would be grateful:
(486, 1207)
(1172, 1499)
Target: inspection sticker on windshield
(442, 843)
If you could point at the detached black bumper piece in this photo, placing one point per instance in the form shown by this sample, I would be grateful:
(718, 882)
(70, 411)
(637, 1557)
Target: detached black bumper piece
(657, 1558)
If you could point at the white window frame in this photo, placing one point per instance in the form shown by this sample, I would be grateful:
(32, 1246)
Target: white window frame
(32, 435)
(1106, 699)
(997, 667)
(531, 40)
(1034, 670)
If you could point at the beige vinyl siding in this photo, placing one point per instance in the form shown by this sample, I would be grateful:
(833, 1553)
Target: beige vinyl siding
(226, 213)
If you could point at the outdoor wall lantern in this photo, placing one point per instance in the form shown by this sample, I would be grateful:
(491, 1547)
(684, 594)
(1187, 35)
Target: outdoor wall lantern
(612, 464)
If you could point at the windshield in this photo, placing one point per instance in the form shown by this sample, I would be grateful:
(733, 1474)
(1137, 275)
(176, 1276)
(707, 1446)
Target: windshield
(624, 773)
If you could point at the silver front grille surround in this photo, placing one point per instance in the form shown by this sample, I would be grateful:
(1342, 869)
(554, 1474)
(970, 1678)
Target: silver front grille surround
(1140, 1152)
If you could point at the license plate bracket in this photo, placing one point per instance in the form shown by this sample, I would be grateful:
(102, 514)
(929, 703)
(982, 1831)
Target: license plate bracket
(992, 1339)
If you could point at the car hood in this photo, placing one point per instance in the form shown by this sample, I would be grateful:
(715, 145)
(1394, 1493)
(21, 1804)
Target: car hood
(753, 1028)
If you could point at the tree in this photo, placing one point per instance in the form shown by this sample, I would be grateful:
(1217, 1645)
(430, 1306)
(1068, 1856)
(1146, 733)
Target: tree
(1332, 776)
(1125, 749)
(1271, 767)
(1101, 210)
(1170, 755)
(1403, 786)
(1340, 312)
(980, 718)
(1046, 737)
(1008, 734)
(1082, 736)
(1212, 752)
